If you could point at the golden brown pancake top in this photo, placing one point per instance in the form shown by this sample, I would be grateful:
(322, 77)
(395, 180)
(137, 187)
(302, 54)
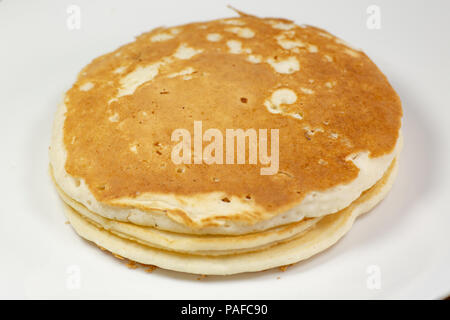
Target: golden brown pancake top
(346, 103)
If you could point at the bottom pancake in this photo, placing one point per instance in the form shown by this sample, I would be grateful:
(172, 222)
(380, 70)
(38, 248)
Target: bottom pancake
(325, 233)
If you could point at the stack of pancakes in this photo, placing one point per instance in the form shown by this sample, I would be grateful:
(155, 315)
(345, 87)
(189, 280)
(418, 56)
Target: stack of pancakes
(339, 126)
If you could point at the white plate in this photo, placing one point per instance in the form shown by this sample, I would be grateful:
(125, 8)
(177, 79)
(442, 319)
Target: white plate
(399, 250)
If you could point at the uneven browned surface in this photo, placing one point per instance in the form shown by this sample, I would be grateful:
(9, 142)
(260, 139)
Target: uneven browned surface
(227, 91)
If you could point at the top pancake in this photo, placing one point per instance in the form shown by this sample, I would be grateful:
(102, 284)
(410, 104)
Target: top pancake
(120, 113)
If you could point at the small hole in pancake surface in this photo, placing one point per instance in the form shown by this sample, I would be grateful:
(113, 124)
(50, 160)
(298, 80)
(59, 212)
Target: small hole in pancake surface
(226, 200)
(244, 100)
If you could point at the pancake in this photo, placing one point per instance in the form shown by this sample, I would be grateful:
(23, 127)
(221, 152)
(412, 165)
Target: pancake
(338, 115)
(325, 113)
(325, 233)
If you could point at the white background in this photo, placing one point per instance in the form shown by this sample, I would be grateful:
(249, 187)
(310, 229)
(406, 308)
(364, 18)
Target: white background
(407, 237)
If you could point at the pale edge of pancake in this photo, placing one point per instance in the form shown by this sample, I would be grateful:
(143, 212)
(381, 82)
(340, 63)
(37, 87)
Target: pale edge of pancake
(191, 243)
(326, 232)
(315, 204)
